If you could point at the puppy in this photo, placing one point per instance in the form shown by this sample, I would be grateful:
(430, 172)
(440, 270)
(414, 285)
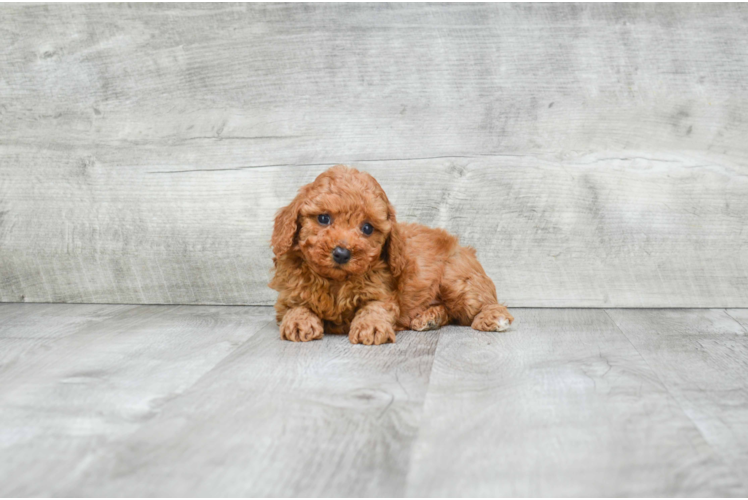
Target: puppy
(343, 264)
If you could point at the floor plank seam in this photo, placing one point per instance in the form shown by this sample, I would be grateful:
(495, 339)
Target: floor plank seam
(228, 356)
(662, 383)
(420, 418)
(716, 452)
(643, 358)
(745, 329)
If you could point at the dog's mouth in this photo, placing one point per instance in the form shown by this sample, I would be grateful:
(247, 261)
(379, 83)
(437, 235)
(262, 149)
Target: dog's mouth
(345, 270)
(336, 273)
(332, 270)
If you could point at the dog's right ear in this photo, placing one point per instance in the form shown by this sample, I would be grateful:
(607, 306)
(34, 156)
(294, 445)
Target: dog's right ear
(395, 245)
(286, 225)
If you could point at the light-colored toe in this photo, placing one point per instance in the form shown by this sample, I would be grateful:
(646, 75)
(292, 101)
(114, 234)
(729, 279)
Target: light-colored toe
(502, 324)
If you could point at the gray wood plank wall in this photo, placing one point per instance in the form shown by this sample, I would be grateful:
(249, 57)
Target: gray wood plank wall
(594, 154)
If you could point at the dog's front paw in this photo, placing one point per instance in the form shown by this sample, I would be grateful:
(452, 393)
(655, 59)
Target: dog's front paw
(371, 333)
(301, 325)
(494, 318)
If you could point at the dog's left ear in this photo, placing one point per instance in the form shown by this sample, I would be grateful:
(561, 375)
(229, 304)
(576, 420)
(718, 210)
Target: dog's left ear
(286, 225)
(395, 245)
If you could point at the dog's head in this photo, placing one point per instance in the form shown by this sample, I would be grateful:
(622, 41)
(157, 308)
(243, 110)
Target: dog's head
(342, 224)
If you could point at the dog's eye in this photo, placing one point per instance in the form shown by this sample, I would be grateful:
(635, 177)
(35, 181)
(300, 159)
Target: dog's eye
(323, 219)
(367, 229)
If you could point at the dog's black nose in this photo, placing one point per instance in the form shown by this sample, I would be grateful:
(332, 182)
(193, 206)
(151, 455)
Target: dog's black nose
(341, 255)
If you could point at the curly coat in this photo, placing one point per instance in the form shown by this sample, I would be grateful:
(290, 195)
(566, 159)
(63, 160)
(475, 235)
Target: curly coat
(398, 277)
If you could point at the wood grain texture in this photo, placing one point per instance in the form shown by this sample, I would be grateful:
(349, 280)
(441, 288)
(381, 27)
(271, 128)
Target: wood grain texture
(595, 155)
(277, 418)
(95, 382)
(208, 401)
(702, 358)
(562, 405)
(25, 329)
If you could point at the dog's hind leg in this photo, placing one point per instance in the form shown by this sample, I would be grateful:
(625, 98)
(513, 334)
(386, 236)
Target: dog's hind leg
(469, 295)
(431, 319)
(492, 318)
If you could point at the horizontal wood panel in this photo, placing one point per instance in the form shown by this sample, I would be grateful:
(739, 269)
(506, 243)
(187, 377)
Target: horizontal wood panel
(595, 155)
(590, 232)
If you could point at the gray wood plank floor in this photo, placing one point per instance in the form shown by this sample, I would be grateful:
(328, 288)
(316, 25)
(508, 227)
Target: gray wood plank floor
(119, 400)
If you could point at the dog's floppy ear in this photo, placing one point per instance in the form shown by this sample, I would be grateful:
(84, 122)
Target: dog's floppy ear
(286, 225)
(395, 245)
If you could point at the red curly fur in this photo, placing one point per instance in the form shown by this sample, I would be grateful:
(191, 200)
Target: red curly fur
(399, 277)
